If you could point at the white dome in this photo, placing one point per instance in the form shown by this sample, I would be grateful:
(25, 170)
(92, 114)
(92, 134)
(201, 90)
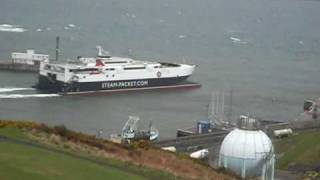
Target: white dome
(246, 144)
(246, 152)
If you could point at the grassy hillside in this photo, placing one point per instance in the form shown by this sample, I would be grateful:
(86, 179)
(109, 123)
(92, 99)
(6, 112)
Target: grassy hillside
(35, 151)
(302, 147)
(22, 161)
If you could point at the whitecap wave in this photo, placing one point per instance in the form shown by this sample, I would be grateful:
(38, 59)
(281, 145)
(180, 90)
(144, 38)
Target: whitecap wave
(11, 89)
(15, 96)
(237, 40)
(71, 25)
(11, 28)
(131, 15)
(6, 25)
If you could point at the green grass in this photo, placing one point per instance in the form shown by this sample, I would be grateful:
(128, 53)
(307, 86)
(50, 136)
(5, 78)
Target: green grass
(13, 132)
(21, 161)
(303, 147)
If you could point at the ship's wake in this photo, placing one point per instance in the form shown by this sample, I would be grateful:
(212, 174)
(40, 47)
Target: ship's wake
(6, 93)
(14, 96)
(11, 89)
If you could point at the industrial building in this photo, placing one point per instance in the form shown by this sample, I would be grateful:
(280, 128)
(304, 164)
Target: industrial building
(29, 58)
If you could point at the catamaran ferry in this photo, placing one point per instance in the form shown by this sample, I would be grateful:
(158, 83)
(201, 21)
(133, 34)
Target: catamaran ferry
(106, 73)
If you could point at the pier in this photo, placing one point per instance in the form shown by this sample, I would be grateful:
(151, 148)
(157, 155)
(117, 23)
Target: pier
(194, 142)
(7, 65)
(213, 140)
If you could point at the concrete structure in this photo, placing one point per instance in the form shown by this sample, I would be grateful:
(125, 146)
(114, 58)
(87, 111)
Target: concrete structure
(294, 125)
(18, 67)
(248, 152)
(29, 57)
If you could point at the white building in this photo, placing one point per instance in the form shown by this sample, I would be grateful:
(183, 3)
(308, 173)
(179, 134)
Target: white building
(29, 57)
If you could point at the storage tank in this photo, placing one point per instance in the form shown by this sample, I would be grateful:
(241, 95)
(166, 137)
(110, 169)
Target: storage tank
(282, 132)
(248, 152)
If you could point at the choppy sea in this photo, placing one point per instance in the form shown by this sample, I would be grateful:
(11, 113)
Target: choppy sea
(266, 51)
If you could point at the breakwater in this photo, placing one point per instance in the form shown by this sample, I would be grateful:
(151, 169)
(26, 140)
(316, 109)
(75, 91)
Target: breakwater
(7, 65)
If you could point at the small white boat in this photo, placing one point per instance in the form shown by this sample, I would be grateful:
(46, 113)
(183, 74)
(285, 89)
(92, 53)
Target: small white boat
(130, 131)
(154, 134)
(169, 148)
(203, 153)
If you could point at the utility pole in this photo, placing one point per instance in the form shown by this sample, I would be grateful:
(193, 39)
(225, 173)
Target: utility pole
(230, 106)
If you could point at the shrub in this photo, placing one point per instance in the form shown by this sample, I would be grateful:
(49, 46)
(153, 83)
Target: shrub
(44, 128)
(66, 146)
(60, 130)
(143, 144)
(18, 124)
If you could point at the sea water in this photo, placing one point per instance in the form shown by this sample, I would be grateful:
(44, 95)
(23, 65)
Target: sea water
(266, 51)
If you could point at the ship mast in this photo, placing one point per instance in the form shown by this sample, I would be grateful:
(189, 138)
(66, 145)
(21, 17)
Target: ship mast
(102, 52)
(57, 48)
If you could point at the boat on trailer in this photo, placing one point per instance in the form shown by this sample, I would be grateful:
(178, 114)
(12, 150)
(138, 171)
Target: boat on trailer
(107, 73)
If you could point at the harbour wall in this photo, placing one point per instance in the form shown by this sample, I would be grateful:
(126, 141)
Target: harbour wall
(294, 125)
(214, 139)
(191, 143)
(7, 65)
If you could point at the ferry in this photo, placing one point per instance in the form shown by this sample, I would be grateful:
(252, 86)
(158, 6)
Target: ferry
(107, 73)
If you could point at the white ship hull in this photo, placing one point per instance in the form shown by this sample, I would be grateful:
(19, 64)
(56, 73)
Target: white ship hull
(58, 86)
